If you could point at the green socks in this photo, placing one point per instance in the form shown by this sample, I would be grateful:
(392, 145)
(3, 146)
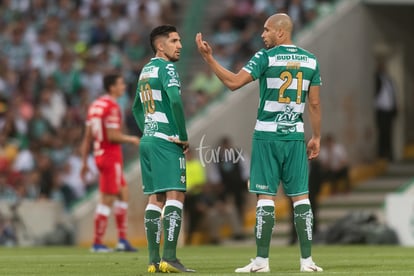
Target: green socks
(265, 221)
(172, 225)
(303, 224)
(152, 222)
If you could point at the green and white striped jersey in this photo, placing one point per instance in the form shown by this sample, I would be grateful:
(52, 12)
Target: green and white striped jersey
(158, 90)
(285, 75)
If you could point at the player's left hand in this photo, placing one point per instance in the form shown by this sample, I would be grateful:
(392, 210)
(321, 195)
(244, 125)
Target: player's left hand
(184, 144)
(203, 47)
(313, 148)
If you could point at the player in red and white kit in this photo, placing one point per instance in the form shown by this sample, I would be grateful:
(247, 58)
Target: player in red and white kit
(103, 129)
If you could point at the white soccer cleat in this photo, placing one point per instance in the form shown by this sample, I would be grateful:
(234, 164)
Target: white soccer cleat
(307, 265)
(254, 266)
(100, 248)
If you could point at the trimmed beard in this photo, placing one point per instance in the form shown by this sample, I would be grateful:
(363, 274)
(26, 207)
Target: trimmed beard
(172, 59)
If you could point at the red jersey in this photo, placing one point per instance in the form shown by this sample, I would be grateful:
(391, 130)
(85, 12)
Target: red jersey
(104, 113)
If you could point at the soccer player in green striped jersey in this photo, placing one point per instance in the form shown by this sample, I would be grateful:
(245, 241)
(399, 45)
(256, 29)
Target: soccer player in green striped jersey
(288, 76)
(158, 110)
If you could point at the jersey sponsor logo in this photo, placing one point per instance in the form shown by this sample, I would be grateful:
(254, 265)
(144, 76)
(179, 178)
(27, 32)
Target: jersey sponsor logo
(260, 213)
(292, 57)
(250, 65)
(173, 82)
(286, 121)
(151, 126)
(149, 72)
(288, 116)
(262, 187)
(172, 218)
(170, 66)
(258, 54)
(158, 117)
(309, 63)
(308, 217)
(157, 222)
(293, 50)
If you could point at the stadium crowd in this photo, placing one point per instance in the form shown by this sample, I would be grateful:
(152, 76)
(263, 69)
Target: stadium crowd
(53, 56)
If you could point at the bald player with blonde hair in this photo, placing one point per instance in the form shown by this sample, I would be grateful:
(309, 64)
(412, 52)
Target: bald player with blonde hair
(288, 76)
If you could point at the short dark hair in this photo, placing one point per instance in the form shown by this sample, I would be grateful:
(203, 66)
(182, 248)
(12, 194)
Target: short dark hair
(110, 80)
(163, 30)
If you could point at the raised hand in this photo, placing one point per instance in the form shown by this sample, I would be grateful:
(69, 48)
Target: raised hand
(203, 47)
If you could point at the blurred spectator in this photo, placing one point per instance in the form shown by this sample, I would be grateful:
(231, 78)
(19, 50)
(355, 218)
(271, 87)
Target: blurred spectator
(134, 48)
(71, 174)
(226, 35)
(8, 235)
(50, 64)
(7, 192)
(67, 78)
(46, 175)
(386, 109)
(52, 104)
(99, 32)
(91, 78)
(222, 56)
(59, 150)
(335, 164)
(297, 12)
(15, 49)
(8, 153)
(40, 129)
(6, 120)
(31, 182)
(146, 11)
(120, 24)
(136, 52)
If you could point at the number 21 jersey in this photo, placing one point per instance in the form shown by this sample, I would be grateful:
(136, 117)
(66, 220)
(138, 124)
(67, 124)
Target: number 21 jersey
(285, 75)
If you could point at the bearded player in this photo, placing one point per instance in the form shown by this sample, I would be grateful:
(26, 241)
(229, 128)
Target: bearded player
(159, 113)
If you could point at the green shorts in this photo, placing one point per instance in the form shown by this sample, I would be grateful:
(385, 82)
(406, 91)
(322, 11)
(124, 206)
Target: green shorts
(279, 161)
(162, 166)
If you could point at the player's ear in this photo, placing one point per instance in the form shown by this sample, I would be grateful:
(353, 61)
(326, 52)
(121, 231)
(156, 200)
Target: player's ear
(159, 44)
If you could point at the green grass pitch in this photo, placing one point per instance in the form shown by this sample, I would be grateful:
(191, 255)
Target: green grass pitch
(207, 260)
